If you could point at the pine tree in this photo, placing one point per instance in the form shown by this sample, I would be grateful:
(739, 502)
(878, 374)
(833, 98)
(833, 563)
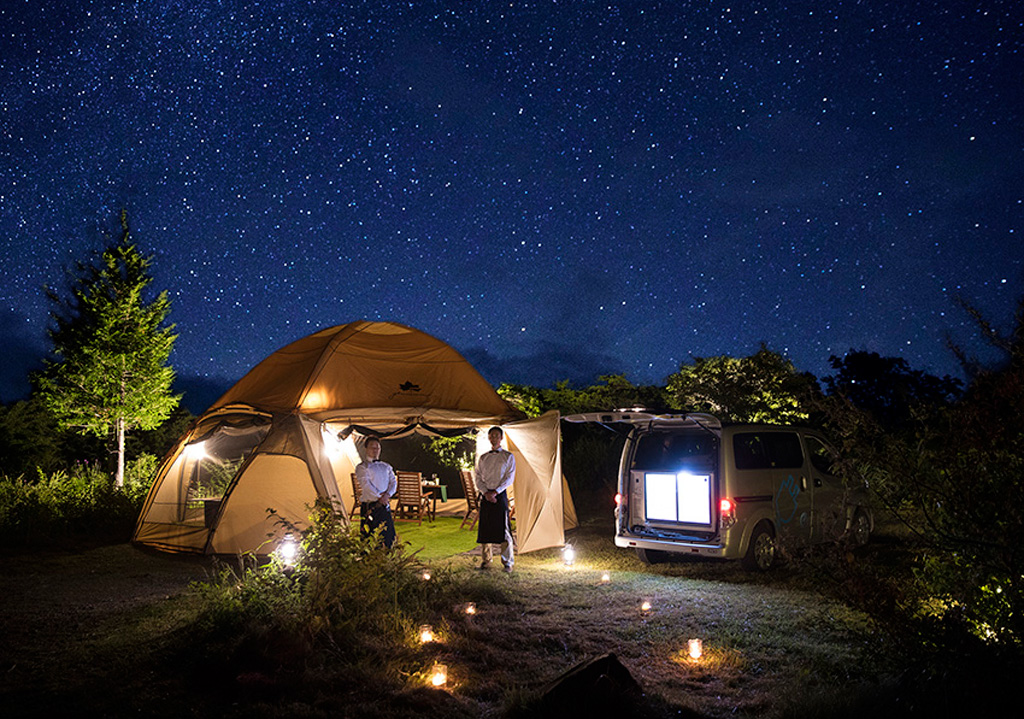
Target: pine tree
(108, 373)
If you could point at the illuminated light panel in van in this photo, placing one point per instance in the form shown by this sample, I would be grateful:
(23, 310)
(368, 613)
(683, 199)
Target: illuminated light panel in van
(678, 497)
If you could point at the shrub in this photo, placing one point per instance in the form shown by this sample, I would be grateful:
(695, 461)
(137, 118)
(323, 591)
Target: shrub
(347, 602)
(80, 503)
(953, 477)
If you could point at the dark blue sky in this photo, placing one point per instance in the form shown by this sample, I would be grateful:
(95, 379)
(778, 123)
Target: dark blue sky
(558, 190)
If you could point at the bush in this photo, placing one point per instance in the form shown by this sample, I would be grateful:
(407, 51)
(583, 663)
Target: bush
(953, 476)
(80, 503)
(348, 604)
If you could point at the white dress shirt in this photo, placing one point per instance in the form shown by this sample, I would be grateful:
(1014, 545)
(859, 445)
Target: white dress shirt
(376, 477)
(495, 471)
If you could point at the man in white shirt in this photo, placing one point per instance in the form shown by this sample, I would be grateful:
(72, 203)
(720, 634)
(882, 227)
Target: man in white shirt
(377, 483)
(495, 472)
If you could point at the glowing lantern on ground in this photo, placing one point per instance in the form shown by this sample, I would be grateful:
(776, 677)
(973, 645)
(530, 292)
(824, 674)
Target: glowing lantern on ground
(288, 550)
(426, 633)
(645, 607)
(439, 675)
(605, 578)
(470, 607)
(569, 555)
(696, 648)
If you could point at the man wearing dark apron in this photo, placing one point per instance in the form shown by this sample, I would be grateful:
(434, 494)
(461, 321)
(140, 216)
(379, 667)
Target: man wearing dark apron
(494, 474)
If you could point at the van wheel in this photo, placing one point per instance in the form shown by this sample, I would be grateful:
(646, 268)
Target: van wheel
(760, 554)
(651, 556)
(860, 528)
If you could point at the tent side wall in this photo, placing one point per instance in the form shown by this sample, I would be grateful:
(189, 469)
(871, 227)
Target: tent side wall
(168, 521)
(281, 483)
(542, 500)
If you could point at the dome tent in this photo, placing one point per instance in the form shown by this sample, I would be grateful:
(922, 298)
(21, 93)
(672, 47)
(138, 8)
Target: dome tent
(285, 434)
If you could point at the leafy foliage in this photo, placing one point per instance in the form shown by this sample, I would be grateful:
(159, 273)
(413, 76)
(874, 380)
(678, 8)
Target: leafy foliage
(613, 392)
(29, 438)
(348, 600)
(764, 387)
(954, 478)
(82, 502)
(109, 371)
(453, 451)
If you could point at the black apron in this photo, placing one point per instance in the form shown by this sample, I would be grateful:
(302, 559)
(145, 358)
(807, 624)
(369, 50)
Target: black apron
(493, 524)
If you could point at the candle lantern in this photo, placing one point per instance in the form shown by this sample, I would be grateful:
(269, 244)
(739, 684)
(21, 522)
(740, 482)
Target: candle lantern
(569, 555)
(439, 675)
(426, 633)
(696, 648)
(288, 550)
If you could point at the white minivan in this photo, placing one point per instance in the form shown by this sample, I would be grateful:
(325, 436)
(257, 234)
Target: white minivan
(690, 486)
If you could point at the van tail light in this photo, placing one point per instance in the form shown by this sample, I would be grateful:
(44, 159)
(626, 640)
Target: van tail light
(726, 513)
(620, 503)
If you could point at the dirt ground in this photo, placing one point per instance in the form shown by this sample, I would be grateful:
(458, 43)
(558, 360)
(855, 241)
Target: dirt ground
(52, 601)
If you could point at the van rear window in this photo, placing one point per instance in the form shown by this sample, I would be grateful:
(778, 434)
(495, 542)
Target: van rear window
(671, 451)
(767, 450)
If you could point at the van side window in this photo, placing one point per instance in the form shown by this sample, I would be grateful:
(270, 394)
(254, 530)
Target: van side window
(750, 451)
(765, 450)
(822, 456)
(785, 450)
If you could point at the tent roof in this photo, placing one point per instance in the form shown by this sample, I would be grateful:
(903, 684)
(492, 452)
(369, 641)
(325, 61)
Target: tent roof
(370, 372)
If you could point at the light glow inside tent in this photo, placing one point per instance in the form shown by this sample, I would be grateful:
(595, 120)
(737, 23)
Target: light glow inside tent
(678, 497)
(195, 451)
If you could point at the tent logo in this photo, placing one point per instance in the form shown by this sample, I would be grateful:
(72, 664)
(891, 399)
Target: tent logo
(408, 386)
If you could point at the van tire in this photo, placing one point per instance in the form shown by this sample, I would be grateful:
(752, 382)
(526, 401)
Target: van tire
(651, 556)
(860, 528)
(762, 550)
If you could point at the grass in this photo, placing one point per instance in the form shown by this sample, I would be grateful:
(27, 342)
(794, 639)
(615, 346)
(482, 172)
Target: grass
(437, 539)
(775, 644)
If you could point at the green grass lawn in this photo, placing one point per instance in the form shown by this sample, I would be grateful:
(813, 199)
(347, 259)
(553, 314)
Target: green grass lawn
(438, 539)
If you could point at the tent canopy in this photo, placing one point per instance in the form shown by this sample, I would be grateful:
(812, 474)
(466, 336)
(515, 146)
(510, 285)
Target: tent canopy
(284, 435)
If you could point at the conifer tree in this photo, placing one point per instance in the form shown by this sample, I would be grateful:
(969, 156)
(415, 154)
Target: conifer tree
(108, 372)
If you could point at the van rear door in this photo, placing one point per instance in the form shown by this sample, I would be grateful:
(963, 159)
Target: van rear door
(668, 474)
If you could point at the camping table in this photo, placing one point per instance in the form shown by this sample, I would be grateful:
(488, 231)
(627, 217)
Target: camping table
(443, 488)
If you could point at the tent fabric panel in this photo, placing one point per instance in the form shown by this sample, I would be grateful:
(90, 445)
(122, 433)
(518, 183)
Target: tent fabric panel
(386, 419)
(343, 457)
(167, 496)
(278, 482)
(569, 518)
(315, 437)
(539, 484)
(172, 537)
(278, 382)
(285, 438)
(365, 364)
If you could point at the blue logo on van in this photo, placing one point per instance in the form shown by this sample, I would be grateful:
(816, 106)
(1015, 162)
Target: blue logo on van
(785, 500)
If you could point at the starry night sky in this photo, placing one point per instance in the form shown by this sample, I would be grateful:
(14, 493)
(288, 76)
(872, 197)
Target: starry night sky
(558, 190)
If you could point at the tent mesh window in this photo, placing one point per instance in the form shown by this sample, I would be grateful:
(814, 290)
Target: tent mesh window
(211, 463)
